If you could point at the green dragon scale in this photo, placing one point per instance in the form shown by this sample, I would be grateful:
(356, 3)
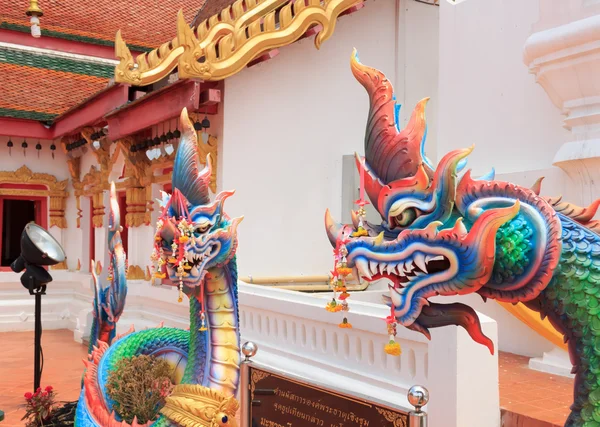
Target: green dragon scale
(444, 233)
(195, 248)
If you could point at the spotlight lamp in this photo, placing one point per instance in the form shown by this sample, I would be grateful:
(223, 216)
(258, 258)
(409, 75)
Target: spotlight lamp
(38, 250)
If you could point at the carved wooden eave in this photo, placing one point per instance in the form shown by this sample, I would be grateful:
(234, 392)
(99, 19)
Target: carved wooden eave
(56, 191)
(224, 44)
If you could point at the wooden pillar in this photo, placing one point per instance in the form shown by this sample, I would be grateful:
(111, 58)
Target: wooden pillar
(137, 212)
(98, 213)
(57, 211)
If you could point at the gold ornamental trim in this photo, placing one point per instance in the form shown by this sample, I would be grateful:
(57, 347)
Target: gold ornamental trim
(397, 420)
(24, 175)
(60, 266)
(224, 44)
(192, 405)
(135, 272)
(55, 191)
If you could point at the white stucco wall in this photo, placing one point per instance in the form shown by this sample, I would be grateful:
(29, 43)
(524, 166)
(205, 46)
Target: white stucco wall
(286, 162)
(289, 121)
(56, 167)
(486, 95)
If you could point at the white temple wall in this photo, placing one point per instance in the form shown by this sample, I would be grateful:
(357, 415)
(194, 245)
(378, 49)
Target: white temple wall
(487, 96)
(43, 164)
(289, 121)
(56, 167)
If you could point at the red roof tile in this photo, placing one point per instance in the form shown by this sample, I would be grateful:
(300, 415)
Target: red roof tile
(143, 23)
(211, 8)
(42, 94)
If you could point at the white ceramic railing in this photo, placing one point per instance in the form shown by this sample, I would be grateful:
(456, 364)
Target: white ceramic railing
(295, 334)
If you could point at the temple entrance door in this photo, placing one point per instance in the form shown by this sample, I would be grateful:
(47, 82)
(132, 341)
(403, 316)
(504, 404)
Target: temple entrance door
(15, 213)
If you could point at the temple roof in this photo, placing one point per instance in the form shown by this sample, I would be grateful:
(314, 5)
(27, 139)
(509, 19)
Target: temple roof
(144, 23)
(210, 8)
(40, 86)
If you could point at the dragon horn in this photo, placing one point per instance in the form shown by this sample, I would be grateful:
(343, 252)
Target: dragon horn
(392, 154)
(192, 183)
(333, 228)
(115, 212)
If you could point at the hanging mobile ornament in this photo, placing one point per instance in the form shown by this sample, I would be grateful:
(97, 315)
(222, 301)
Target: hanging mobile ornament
(180, 299)
(361, 202)
(343, 271)
(38, 147)
(205, 125)
(197, 126)
(202, 322)
(10, 145)
(392, 347)
(24, 145)
(53, 149)
(156, 140)
(170, 135)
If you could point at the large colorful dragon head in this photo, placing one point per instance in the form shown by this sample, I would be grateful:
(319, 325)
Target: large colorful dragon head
(437, 236)
(193, 233)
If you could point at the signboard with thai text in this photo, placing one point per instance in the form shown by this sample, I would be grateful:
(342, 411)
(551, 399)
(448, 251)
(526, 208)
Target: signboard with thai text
(278, 401)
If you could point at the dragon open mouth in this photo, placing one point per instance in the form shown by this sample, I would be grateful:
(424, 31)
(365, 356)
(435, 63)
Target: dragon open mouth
(405, 271)
(197, 259)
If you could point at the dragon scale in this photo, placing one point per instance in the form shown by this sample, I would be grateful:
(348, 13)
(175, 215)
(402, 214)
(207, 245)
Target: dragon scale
(444, 233)
(195, 249)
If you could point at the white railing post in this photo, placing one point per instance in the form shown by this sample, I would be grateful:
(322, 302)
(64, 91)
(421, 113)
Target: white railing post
(418, 397)
(249, 350)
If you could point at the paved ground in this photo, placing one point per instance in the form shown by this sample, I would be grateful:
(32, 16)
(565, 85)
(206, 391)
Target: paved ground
(534, 394)
(522, 391)
(63, 368)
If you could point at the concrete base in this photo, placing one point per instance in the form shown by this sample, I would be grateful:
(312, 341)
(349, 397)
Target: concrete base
(553, 362)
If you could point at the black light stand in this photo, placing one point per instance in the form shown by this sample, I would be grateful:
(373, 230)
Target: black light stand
(38, 249)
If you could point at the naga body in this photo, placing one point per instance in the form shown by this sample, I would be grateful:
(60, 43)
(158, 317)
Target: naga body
(444, 233)
(109, 301)
(195, 246)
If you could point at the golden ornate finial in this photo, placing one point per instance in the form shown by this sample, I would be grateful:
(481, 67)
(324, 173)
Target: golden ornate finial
(192, 405)
(34, 9)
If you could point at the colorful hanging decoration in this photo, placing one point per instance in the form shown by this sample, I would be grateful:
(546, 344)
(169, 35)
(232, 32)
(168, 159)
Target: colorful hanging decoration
(339, 276)
(38, 148)
(184, 229)
(361, 202)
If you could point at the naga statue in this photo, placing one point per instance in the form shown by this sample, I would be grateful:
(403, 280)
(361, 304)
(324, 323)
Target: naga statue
(110, 301)
(445, 233)
(195, 246)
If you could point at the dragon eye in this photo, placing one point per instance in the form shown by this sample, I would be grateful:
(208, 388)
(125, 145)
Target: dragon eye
(202, 228)
(406, 217)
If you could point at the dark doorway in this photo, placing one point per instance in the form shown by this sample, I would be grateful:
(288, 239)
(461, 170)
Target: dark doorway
(16, 214)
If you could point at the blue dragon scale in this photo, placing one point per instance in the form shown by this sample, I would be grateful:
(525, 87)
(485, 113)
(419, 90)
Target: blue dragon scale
(195, 246)
(443, 233)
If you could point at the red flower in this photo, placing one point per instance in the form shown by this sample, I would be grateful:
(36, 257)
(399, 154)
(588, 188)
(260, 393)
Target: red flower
(28, 395)
(49, 388)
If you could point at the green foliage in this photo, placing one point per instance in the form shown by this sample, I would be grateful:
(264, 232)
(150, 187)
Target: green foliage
(139, 386)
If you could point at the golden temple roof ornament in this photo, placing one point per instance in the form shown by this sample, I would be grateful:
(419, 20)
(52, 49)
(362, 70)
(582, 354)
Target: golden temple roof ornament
(224, 44)
(35, 13)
